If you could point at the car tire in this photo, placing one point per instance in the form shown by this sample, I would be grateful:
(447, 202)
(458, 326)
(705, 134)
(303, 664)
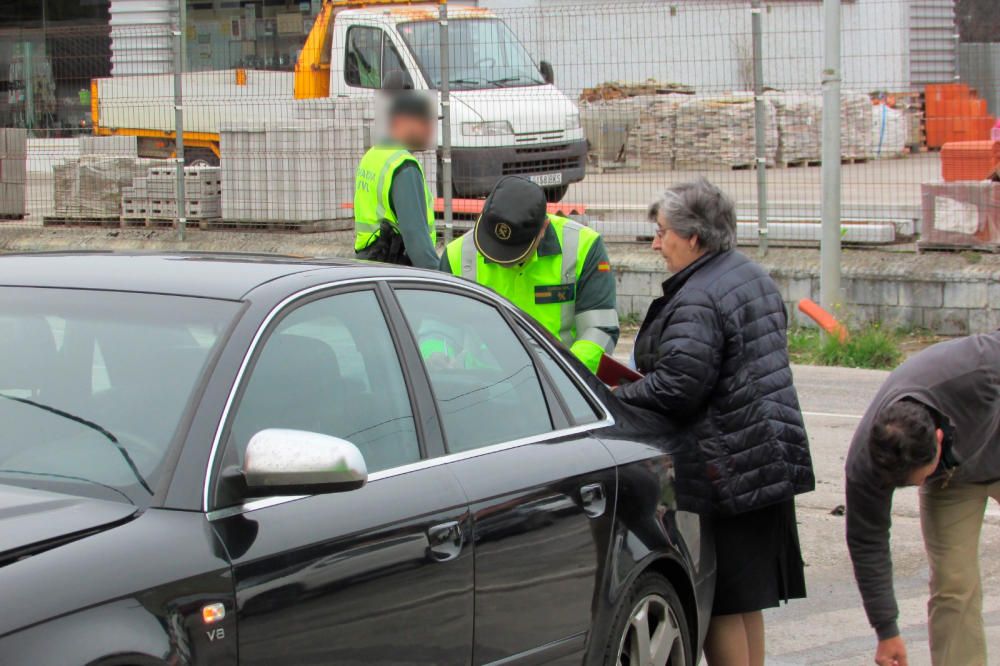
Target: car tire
(651, 606)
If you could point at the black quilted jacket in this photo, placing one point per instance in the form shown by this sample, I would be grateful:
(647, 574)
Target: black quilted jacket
(715, 354)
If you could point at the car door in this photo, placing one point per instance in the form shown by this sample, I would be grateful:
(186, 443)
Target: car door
(541, 488)
(379, 574)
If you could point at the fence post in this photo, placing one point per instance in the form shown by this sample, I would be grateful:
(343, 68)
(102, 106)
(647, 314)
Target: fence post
(180, 195)
(29, 87)
(829, 280)
(760, 125)
(445, 89)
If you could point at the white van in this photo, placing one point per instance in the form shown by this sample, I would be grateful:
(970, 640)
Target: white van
(507, 117)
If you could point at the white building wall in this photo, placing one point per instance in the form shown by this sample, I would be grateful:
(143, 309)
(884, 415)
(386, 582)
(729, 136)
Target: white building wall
(706, 44)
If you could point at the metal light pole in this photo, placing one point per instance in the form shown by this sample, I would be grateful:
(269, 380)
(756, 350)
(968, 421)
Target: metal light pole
(760, 125)
(829, 280)
(445, 88)
(181, 198)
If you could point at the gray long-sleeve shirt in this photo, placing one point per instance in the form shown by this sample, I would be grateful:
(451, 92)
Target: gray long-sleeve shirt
(409, 202)
(960, 379)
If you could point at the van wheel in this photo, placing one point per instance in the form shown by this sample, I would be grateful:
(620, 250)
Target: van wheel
(556, 194)
(649, 627)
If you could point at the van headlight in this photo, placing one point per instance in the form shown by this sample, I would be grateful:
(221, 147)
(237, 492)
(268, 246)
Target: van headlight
(492, 128)
(573, 120)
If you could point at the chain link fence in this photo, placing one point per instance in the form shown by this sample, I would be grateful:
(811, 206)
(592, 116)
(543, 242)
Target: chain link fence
(604, 104)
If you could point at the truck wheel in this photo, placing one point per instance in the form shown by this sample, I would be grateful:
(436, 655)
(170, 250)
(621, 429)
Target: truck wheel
(556, 194)
(649, 627)
(200, 157)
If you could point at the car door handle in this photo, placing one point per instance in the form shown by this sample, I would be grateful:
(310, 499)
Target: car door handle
(593, 499)
(444, 541)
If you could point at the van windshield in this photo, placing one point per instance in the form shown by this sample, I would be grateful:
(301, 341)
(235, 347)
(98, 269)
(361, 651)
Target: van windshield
(482, 53)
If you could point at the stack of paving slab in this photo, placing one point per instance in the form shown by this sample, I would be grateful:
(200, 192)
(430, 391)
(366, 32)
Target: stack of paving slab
(90, 187)
(718, 130)
(299, 172)
(13, 172)
(153, 196)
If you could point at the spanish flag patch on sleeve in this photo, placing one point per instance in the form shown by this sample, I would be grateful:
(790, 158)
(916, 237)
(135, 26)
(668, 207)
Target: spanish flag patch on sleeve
(604, 266)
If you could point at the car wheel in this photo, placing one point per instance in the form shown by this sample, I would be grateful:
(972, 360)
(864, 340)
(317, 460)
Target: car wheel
(649, 627)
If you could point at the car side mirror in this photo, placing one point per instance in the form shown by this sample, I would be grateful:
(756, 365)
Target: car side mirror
(548, 75)
(296, 462)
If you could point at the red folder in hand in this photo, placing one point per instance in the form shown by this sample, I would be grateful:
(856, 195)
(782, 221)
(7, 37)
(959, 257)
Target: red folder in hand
(615, 373)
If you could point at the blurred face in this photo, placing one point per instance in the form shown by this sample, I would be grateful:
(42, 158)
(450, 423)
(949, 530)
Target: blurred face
(920, 475)
(679, 253)
(412, 132)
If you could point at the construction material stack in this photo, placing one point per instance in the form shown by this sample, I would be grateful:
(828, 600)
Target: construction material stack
(13, 172)
(718, 130)
(152, 198)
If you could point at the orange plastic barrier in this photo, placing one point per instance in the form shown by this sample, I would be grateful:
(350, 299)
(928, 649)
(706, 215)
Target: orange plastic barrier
(475, 207)
(824, 319)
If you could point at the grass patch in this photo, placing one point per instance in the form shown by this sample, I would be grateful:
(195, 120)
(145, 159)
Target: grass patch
(869, 347)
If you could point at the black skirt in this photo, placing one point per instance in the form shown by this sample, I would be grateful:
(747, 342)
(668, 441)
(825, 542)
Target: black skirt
(758, 560)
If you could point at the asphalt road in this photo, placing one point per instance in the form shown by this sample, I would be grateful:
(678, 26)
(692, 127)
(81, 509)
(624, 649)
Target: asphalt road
(830, 626)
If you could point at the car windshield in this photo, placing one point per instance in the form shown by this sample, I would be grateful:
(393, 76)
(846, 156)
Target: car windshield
(482, 53)
(94, 384)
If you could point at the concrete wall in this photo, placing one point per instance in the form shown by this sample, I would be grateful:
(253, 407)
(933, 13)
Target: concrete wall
(707, 44)
(936, 292)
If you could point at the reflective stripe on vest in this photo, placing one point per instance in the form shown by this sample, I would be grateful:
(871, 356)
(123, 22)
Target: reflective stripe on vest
(575, 240)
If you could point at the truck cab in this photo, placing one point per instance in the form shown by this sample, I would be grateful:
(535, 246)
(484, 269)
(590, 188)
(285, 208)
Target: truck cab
(507, 117)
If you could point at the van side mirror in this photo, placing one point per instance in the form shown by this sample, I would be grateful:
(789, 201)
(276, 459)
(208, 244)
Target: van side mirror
(279, 461)
(545, 67)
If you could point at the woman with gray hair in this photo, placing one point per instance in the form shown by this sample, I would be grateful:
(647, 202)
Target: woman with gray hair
(714, 354)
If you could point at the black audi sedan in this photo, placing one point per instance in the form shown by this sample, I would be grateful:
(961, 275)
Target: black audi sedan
(211, 459)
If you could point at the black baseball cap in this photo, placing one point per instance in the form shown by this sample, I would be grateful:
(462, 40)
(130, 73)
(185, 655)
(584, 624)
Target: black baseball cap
(512, 218)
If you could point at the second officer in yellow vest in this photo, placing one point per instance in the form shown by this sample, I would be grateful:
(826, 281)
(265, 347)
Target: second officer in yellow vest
(552, 268)
(393, 206)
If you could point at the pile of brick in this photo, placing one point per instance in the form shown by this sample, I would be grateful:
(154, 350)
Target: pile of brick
(91, 187)
(153, 196)
(718, 130)
(856, 127)
(800, 126)
(13, 163)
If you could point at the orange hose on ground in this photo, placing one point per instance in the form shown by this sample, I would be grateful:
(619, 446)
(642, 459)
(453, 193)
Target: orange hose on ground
(824, 319)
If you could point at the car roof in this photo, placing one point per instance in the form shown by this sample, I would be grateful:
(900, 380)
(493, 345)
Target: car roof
(208, 275)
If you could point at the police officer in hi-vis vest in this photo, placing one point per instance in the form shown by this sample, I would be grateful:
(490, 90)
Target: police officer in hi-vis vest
(393, 206)
(550, 267)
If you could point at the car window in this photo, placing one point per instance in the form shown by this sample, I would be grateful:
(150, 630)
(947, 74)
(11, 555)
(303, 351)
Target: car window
(94, 385)
(362, 57)
(331, 367)
(484, 381)
(580, 408)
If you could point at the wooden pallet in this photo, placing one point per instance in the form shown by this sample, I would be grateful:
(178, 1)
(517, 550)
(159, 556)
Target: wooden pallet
(151, 222)
(11, 216)
(792, 164)
(58, 221)
(275, 226)
(854, 160)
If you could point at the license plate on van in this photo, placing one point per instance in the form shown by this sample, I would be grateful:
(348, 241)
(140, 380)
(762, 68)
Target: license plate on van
(545, 179)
